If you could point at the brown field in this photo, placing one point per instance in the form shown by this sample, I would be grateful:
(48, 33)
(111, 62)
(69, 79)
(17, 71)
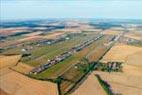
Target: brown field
(136, 36)
(10, 31)
(120, 52)
(135, 59)
(70, 30)
(15, 83)
(127, 82)
(133, 64)
(132, 70)
(90, 86)
(21, 40)
(2, 92)
(22, 68)
(122, 83)
(31, 38)
(7, 61)
(112, 32)
(7, 43)
(53, 35)
(33, 34)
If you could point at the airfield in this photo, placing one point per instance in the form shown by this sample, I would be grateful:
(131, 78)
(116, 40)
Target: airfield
(71, 58)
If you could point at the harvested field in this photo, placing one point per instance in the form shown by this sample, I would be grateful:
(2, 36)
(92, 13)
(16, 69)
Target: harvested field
(7, 61)
(122, 83)
(136, 36)
(15, 83)
(70, 30)
(33, 34)
(132, 70)
(120, 52)
(128, 81)
(10, 31)
(135, 59)
(20, 41)
(112, 32)
(31, 38)
(98, 51)
(90, 86)
(54, 35)
(21, 85)
(133, 64)
(2, 92)
(22, 68)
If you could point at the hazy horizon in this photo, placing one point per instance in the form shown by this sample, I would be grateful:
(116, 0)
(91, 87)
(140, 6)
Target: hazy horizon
(46, 9)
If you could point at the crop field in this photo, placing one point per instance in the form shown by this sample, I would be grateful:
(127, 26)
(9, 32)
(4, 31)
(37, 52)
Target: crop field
(120, 52)
(11, 31)
(6, 61)
(133, 64)
(22, 68)
(90, 86)
(3, 92)
(74, 67)
(128, 81)
(33, 34)
(43, 54)
(71, 57)
(14, 83)
(54, 35)
(73, 74)
(132, 35)
(60, 67)
(121, 83)
(112, 32)
(101, 47)
(39, 51)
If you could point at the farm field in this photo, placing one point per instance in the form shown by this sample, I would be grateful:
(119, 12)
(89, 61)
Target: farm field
(71, 57)
(122, 83)
(120, 52)
(133, 64)
(74, 67)
(61, 67)
(22, 68)
(128, 81)
(90, 86)
(133, 35)
(112, 32)
(6, 61)
(2, 92)
(14, 83)
(21, 84)
(43, 54)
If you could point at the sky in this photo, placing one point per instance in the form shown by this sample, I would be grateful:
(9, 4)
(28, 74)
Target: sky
(42, 9)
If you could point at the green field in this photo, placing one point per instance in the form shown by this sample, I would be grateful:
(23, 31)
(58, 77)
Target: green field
(58, 69)
(73, 68)
(43, 54)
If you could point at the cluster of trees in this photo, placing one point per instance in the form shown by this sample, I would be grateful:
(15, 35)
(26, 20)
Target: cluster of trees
(110, 66)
